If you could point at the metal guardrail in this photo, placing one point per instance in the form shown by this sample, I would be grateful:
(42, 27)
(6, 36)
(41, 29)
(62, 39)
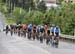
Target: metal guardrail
(67, 36)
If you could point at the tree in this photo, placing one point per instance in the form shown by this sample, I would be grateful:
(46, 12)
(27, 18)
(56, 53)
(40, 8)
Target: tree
(41, 6)
(26, 4)
(18, 15)
(37, 17)
(59, 1)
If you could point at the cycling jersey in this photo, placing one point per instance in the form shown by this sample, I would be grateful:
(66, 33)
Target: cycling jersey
(42, 29)
(38, 28)
(52, 29)
(24, 27)
(29, 27)
(56, 30)
(46, 27)
(34, 27)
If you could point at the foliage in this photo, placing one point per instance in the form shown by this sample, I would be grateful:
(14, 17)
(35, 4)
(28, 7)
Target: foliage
(18, 14)
(59, 1)
(41, 6)
(63, 16)
(3, 8)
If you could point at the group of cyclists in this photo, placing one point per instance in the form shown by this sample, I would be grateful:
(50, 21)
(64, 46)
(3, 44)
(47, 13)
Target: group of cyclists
(48, 33)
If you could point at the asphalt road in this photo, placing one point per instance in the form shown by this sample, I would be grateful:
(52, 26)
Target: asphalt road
(20, 45)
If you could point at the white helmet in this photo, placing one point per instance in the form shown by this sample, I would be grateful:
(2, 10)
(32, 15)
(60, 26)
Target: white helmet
(42, 26)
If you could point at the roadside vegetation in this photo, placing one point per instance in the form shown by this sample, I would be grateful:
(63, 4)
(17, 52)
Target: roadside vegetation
(63, 15)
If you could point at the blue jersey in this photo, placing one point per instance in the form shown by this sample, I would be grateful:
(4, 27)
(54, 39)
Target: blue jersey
(52, 29)
(29, 28)
(57, 30)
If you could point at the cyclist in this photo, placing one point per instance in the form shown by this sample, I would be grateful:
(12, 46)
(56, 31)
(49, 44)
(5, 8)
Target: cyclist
(45, 33)
(11, 29)
(19, 29)
(38, 31)
(16, 29)
(7, 29)
(56, 38)
(41, 34)
(34, 31)
(52, 30)
(24, 27)
(29, 31)
(48, 37)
